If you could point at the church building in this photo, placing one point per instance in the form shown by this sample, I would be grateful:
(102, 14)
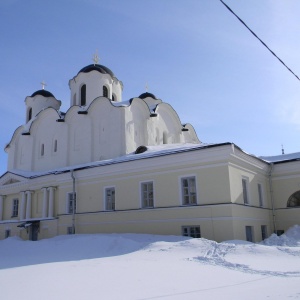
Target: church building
(113, 166)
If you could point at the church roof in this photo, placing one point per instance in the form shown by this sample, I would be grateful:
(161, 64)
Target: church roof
(95, 67)
(281, 158)
(43, 93)
(145, 95)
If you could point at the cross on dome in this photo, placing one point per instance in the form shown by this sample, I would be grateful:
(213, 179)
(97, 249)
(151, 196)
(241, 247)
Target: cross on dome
(96, 58)
(146, 87)
(43, 83)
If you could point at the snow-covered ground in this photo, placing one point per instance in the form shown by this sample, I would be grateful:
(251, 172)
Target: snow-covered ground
(144, 267)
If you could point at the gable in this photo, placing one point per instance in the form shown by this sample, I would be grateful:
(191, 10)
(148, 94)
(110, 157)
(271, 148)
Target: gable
(11, 181)
(10, 178)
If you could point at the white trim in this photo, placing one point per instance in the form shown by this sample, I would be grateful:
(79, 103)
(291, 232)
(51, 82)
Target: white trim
(67, 202)
(245, 169)
(104, 197)
(12, 207)
(259, 183)
(186, 220)
(31, 219)
(247, 190)
(181, 190)
(141, 192)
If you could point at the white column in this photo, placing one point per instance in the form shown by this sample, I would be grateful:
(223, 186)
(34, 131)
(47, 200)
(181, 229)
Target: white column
(1, 207)
(28, 205)
(45, 202)
(22, 207)
(51, 202)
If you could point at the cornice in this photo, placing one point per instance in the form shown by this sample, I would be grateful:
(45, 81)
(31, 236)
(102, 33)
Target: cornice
(239, 155)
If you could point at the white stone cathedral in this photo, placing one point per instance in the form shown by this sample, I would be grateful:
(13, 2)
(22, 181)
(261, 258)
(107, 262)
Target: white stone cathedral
(113, 166)
(97, 126)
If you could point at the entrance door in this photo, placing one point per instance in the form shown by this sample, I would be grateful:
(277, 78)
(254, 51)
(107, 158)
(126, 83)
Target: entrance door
(34, 230)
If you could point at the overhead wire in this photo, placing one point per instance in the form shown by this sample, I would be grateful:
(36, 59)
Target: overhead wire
(258, 38)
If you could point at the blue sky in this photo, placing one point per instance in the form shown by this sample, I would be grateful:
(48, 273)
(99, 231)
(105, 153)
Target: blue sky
(194, 55)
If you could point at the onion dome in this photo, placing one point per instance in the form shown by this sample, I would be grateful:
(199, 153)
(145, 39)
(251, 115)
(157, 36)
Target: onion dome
(42, 93)
(95, 67)
(146, 95)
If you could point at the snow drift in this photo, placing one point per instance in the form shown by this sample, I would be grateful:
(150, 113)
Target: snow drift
(136, 267)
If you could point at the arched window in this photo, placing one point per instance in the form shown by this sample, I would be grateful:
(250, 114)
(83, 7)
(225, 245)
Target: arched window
(29, 114)
(83, 95)
(113, 97)
(294, 200)
(105, 91)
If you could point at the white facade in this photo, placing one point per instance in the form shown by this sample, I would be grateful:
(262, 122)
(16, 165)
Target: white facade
(112, 166)
(94, 128)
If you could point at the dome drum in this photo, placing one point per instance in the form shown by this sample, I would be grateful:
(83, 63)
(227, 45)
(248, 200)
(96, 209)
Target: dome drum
(38, 101)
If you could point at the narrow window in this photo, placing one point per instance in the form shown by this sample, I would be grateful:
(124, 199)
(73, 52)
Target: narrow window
(42, 150)
(192, 231)
(147, 194)
(264, 232)
(110, 198)
(260, 195)
(245, 191)
(15, 208)
(105, 91)
(7, 233)
(71, 205)
(114, 97)
(249, 233)
(83, 95)
(189, 195)
(55, 146)
(29, 114)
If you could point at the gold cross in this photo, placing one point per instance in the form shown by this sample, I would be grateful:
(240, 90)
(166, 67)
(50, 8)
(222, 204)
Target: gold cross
(96, 58)
(43, 83)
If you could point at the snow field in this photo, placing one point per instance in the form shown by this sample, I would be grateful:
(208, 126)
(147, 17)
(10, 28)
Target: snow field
(144, 267)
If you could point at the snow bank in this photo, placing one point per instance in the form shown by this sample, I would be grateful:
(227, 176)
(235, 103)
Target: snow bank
(291, 238)
(148, 267)
(74, 248)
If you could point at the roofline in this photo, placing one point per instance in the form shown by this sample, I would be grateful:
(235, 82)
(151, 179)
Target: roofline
(252, 155)
(138, 157)
(284, 161)
(128, 159)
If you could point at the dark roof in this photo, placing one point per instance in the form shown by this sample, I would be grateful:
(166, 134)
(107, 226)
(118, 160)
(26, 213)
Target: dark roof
(145, 95)
(99, 68)
(42, 93)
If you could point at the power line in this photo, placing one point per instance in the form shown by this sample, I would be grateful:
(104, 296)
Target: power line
(258, 38)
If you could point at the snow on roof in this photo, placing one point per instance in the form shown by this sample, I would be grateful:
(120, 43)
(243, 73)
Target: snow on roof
(281, 158)
(152, 151)
(121, 104)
